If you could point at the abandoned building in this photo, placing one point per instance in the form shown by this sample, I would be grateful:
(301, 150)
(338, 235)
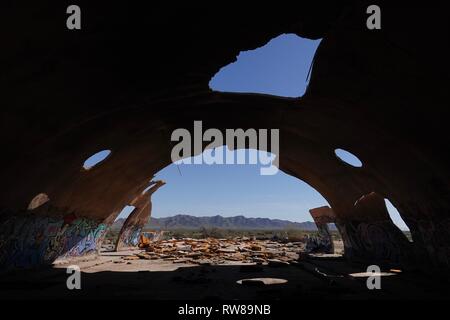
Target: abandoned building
(124, 84)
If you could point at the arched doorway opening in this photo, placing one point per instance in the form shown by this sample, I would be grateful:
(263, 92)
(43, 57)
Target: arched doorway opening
(235, 201)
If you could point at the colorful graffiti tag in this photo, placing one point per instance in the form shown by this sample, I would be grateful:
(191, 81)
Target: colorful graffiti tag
(321, 243)
(130, 236)
(27, 240)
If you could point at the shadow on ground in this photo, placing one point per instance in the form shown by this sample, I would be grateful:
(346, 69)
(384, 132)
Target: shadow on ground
(306, 280)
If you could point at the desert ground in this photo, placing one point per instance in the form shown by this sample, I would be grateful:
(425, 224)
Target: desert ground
(239, 269)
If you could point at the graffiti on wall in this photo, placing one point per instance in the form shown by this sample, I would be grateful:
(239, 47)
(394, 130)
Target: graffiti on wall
(323, 242)
(130, 236)
(371, 236)
(135, 222)
(90, 239)
(320, 243)
(375, 241)
(29, 240)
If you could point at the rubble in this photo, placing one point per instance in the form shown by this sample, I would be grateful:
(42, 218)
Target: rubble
(212, 251)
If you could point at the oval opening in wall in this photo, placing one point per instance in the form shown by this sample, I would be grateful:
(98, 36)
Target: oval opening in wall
(396, 217)
(96, 159)
(348, 157)
(148, 188)
(38, 201)
(126, 211)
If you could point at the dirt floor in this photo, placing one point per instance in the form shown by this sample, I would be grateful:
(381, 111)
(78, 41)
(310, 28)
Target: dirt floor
(130, 275)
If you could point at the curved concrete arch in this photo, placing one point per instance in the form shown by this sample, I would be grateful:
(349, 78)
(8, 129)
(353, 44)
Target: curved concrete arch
(135, 222)
(366, 95)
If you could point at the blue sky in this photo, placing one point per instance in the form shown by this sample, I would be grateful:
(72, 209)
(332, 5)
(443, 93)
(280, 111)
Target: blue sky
(231, 190)
(280, 68)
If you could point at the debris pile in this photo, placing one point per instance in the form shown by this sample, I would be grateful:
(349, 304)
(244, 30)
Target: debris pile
(219, 251)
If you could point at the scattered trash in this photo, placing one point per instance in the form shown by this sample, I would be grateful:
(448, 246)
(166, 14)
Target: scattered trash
(146, 238)
(212, 251)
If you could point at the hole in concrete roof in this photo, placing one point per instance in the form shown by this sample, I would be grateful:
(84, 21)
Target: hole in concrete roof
(281, 67)
(38, 201)
(348, 157)
(95, 159)
(126, 211)
(396, 217)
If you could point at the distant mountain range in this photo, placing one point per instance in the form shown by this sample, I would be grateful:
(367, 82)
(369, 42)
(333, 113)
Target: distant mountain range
(238, 222)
